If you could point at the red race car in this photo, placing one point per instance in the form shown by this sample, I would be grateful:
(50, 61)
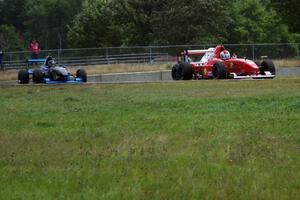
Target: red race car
(217, 63)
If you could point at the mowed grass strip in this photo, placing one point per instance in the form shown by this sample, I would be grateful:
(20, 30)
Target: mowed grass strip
(175, 140)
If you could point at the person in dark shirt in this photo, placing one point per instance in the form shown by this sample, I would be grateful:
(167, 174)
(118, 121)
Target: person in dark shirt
(1, 59)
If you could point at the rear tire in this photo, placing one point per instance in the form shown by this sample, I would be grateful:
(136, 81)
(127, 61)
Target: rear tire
(219, 70)
(53, 76)
(81, 73)
(187, 71)
(184, 71)
(38, 76)
(174, 71)
(257, 63)
(267, 65)
(23, 76)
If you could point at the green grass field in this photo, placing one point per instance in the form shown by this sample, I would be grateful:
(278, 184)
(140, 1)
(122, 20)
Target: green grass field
(174, 140)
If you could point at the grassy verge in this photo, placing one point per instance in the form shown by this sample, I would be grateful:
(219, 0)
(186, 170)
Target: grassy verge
(287, 63)
(178, 140)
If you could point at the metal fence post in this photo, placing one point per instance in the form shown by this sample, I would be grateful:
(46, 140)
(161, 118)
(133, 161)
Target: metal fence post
(1, 60)
(253, 51)
(150, 56)
(58, 54)
(298, 50)
(10, 58)
(107, 55)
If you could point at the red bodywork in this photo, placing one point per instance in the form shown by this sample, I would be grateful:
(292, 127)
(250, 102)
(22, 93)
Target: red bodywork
(235, 66)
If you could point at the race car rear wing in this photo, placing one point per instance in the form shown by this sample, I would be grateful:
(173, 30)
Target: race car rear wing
(35, 61)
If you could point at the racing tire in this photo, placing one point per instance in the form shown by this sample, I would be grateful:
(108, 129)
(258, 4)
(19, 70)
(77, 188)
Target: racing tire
(219, 70)
(53, 75)
(174, 72)
(81, 73)
(38, 76)
(267, 65)
(23, 76)
(187, 71)
(257, 63)
(179, 72)
(184, 71)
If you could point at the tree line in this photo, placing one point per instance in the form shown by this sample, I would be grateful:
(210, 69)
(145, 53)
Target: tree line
(100, 23)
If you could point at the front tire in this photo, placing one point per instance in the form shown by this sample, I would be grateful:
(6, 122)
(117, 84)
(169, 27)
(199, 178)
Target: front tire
(81, 73)
(267, 65)
(38, 76)
(23, 76)
(219, 70)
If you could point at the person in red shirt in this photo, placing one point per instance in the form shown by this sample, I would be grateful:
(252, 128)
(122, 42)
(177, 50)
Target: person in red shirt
(35, 49)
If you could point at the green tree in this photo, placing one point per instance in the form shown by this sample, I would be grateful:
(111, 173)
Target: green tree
(150, 22)
(136, 19)
(289, 10)
(95, 26)
(158, 22)
(47, 20)
(9, 39)
(255, 22)
(192, 22)
(69, 23)
(12, 12)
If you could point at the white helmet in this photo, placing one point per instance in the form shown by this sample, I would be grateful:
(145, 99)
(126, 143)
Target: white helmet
(225, 55)
(51, 63)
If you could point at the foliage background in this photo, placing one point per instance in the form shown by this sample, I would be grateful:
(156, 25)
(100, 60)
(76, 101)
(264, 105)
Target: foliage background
(98, 23)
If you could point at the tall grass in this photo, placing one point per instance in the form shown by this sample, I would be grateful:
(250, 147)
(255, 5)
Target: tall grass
(178, 140)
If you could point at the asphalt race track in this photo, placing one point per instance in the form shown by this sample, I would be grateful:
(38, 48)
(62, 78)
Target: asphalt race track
(142, 77)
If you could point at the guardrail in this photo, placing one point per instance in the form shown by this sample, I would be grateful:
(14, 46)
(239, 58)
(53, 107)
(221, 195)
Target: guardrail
(97, 60)
(148, 54)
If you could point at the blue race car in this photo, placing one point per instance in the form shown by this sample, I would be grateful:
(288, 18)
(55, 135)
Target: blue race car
(50, 72)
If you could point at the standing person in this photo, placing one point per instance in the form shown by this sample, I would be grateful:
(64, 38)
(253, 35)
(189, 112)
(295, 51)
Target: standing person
(1, 59)
(186, 58)
(35, 49)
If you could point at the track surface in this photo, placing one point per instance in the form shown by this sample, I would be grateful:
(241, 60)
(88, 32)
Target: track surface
(142, 77)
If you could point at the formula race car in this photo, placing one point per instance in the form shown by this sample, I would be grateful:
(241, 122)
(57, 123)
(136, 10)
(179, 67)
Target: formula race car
(50, 72)
(217, 63)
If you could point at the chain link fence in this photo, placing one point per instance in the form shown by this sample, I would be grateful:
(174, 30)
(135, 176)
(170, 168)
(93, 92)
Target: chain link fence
(148, 54)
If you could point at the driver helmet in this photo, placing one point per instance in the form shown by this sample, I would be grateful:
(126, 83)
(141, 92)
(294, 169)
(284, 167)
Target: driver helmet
(51, 63)
(225, 55)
